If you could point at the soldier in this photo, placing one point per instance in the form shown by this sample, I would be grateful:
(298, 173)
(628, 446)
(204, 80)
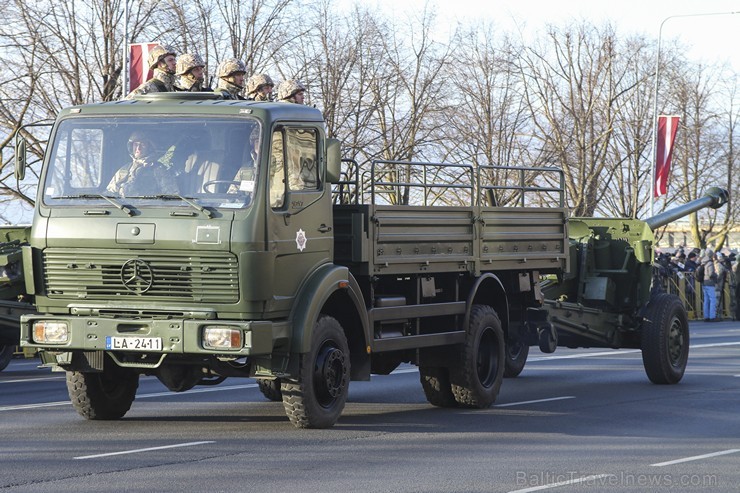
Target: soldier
(162, 61)
(230, 75)
(190, 69)
(291, 91)
(144, 175)
(259, 88)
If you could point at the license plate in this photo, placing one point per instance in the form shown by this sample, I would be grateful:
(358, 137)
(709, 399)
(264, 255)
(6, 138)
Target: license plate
(134, 343)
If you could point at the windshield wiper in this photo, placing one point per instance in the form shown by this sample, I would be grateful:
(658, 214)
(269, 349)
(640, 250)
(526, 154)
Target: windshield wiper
(110, 199)
(174, 196)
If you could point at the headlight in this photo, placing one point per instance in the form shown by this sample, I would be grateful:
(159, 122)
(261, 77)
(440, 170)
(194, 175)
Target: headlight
(222, 338)
(50, 332)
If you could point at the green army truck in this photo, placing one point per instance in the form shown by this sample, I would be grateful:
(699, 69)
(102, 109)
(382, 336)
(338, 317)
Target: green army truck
(264, 262)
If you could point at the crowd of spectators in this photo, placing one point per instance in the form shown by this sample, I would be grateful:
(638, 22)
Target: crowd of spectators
(711, 275)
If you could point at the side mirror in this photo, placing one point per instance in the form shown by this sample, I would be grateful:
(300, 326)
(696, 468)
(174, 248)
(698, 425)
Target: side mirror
(333, 160)
(20, 157)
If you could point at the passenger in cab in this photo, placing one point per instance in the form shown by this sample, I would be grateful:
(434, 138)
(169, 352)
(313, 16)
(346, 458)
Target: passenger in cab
(144, 175)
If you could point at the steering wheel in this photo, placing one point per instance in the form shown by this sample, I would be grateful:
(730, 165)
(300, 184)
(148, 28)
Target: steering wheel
(218, 182)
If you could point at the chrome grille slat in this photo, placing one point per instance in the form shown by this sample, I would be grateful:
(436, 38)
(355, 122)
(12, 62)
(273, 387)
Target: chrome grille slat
(178, 276)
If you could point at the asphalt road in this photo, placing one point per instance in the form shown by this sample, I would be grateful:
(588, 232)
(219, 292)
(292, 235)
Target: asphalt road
(576, 420)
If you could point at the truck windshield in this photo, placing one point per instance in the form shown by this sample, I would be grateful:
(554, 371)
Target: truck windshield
(148, 160)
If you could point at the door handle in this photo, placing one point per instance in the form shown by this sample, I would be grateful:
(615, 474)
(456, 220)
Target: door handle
(324, 228)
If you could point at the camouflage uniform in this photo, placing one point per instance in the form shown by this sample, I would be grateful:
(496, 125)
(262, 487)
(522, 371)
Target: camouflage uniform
(288, 89)
(163, 79)
(187, 80)
(144, 175)
(255, 84)
(227, 88)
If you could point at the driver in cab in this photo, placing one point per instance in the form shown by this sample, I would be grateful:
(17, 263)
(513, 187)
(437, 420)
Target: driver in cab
(144, 175)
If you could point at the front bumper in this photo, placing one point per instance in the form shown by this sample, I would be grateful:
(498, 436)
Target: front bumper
(179, 336)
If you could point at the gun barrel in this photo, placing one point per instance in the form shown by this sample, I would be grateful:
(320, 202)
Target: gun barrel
(714, 197)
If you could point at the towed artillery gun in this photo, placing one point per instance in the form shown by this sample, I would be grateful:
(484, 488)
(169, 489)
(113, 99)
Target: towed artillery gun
(606, 299)
(13, 300)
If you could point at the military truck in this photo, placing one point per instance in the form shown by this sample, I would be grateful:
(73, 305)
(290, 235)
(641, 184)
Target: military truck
(266, 263)
(13, 299)
(608, 298)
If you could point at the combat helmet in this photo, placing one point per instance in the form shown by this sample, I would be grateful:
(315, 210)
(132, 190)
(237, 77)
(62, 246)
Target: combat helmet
(288, 88)
(157, 54)
(229, 67)
(139, 136)
(256, 82)
(188, 61)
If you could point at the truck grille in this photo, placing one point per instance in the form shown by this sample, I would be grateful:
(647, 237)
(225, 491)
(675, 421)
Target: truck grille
(161, 275)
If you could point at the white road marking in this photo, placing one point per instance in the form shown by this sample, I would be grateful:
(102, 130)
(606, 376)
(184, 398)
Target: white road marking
(138, 396)
(136, 451)
(25, 380)
(563, 483)
(696, 457)
(521, 403)
(617, 352)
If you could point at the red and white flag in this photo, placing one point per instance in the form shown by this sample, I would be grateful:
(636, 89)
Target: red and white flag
(139, 71)
(667, 128)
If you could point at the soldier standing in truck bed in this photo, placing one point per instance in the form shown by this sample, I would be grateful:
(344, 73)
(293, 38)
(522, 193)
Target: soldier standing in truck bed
(162, 60)
(230, 73)
(259, 88)
(291, 91)
(190, 72)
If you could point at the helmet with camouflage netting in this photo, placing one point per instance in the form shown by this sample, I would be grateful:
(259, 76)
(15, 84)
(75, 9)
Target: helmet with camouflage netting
(229, 67)
(288, 88)
(188, 61)
(157, 54)
(256, 82)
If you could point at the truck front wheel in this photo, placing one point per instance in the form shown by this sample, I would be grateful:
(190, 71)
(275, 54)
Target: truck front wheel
(6, 354)
(665, 339)
(105, 395)
(435, 381)
(477, 379)
(270, 388)
(317, 398)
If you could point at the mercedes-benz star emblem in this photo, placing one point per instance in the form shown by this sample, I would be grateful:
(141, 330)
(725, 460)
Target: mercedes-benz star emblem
(137, 276)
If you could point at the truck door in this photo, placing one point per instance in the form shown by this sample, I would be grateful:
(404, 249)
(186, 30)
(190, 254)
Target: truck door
(299, 212)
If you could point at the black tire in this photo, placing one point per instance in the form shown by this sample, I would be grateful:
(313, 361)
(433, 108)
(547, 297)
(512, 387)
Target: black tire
(316, 399)
(477, 379)
(6, 354)
(665, 339)
(270, 388)
(516, 358)
(107, 395)
(436, 384)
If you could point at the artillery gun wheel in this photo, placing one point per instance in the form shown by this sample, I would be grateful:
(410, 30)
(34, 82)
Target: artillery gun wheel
(516, 357)
(103, 395)
(477, 379)
(316, 399)
(270, 388)
(665, 339)
(6, 354)
(436, 384)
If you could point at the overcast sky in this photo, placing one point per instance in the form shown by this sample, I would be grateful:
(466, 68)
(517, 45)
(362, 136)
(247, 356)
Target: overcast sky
(714, 38)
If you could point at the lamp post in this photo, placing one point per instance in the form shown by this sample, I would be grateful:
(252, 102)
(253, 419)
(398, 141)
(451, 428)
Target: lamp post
(654, 152)
(124, 70)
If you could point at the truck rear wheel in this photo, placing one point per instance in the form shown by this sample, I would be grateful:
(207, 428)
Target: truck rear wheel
(270, 388)
(6, 354)
(317, 398)
(516, 357)
(665, 339)
(105, 395)
(436, 384)
(477, 379)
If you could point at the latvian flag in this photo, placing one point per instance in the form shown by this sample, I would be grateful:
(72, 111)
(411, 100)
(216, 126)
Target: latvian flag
(139, 71)
(667, 127)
